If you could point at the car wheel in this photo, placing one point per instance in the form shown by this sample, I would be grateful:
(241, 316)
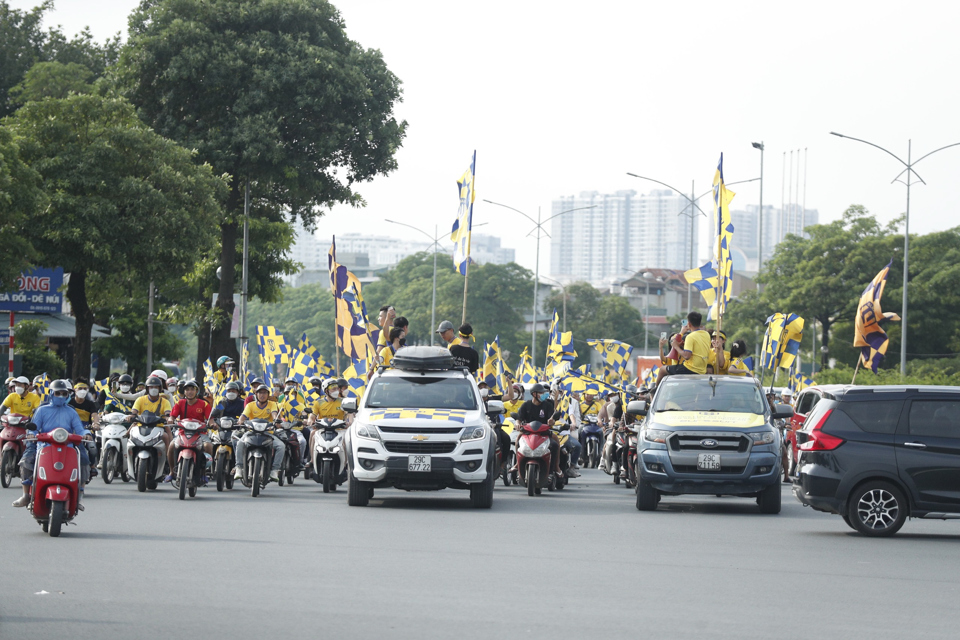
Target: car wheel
(877, 509)
(647, 496)
(769, 499)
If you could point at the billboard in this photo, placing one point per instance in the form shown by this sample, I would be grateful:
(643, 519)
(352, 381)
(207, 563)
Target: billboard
(38, 291)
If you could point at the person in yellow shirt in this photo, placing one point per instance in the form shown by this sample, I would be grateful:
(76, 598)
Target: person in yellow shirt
(665, 359)
(513, 400)
(724, 367)
(21, 400)
(328, 406)
(390, 350)
(262, 408)
(738, 350)
(695, 351)
(158, 404)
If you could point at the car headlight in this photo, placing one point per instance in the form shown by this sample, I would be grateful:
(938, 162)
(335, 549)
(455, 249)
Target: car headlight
(656, 435)
(473, 433)
(761, 438)
(368, 431)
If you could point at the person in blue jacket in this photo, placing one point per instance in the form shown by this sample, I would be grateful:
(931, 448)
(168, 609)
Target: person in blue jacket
(48, 417)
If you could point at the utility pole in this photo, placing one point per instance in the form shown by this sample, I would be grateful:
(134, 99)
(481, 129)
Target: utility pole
(150, 329)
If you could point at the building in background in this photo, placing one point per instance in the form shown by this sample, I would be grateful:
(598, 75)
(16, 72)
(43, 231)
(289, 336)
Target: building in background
(777, 224)
(623, 232)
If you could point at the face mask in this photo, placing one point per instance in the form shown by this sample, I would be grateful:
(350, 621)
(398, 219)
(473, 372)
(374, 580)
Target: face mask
(171, 390)
(20, 390)
(81, 394)
(544, 396)
(153, 392)
(124, 388)
(231, 396)
(335, 393)
(58, 401)
(289, 387)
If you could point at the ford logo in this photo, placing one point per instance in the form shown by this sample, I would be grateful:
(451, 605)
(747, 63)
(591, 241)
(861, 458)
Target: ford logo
(709, 443)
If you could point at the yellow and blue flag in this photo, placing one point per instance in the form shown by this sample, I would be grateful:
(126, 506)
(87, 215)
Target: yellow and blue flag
(560, 348)
(460, 234)
(868, 334)
(43, 387)
(492, 373)
(724, 235)
(356, 377)
(651, 378)
(781, 342)
(273, 346)
(302, 367)
(526, 372)
(799, 382)
(615, 353)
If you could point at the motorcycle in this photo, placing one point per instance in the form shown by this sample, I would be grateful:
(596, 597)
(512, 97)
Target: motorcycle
(191, 461)
(223, 457)
(146, 452)
(329, 457)
(509, 474)
(631, 433)
(292, 462)
(12, 444)
(559, 482)
(56, 480)
(258, 457)
(592, 441)
(113, 447)
(533, 456)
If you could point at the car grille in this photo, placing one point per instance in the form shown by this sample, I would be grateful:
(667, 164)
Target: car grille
(420, 447)
(692, 468)
(420, 430)
(725, 442)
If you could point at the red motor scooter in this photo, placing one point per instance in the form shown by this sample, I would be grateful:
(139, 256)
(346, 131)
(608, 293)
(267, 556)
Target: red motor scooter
(533, 456)
(12, 444)
(56, 479)
(190, 461)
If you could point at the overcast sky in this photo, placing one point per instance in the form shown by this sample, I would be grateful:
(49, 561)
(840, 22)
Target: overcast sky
(561, 97)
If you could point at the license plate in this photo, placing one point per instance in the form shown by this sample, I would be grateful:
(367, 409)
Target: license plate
(708, 461)
(418, 463)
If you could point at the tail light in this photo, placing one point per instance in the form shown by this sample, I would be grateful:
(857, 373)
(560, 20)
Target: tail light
(817, 440)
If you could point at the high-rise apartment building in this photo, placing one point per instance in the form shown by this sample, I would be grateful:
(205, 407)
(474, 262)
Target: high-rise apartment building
(777, 224)
(624, 232)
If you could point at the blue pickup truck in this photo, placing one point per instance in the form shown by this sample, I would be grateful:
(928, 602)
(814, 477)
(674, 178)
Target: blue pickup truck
(709, 435)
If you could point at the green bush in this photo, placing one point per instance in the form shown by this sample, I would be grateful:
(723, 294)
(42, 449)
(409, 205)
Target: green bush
(930, 372)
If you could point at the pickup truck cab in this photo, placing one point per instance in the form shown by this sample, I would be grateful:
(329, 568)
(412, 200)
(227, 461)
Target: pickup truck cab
(709, 434)
(421, 426)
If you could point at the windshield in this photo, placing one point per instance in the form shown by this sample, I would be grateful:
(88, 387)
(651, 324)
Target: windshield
(708, 395)
(421, 392)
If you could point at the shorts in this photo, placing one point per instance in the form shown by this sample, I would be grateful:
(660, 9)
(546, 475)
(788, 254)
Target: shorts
(679, 369)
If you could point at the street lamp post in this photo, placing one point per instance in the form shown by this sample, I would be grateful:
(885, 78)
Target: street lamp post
(536, 279)
(759, 145)
(436, 243)
(908, 169)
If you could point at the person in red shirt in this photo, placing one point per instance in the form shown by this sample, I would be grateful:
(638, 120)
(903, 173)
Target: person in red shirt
(190, 407)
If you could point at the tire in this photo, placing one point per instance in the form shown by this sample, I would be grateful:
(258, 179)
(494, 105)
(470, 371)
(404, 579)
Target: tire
(183, 476)
(56, 518)
(358, 494)
(143, 469)
(562, 482)
(481, 495)
(515, 477)
(647, 496)
(846, 519)
(506, 476)
(532, 472)
(877, 509)
(123, 472)
(255, 477)
(109, 465)
(631, 476)
(769, 499)
(283, 469)
(222, 471)
(791, 461)
(327, 476)
(616, 477)
(8, 466)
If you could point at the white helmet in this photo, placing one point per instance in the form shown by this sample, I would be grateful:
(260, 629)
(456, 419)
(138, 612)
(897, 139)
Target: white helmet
(326, 383)
(160, 373)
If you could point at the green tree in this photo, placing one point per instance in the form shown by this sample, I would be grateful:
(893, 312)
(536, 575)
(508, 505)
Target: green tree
(31, 345)
(270, 92)
(52, 80)
(24, 42)
(122, 199)
(20, 197)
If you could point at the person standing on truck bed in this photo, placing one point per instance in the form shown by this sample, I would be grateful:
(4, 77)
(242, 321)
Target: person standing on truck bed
(463, 354)
(695, 351)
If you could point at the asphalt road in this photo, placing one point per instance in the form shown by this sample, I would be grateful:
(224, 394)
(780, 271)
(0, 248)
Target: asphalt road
(581, 562)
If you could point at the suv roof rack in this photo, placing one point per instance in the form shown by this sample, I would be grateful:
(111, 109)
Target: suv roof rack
(423, 359)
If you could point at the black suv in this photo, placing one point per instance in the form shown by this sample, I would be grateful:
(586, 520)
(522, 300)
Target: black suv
(878, 455)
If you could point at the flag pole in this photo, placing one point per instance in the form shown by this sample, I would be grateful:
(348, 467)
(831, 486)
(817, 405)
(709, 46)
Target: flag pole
(336, 348)
(859, 360)
(466, 278)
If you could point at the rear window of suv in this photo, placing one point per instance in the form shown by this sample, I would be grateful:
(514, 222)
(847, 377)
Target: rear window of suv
(874, 416)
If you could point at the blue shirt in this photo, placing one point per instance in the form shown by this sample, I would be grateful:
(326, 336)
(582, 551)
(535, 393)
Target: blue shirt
(230, 408)
(48, 417)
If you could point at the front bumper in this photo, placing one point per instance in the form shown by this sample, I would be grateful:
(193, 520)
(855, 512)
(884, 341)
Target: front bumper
(465, 465)
(760, 469)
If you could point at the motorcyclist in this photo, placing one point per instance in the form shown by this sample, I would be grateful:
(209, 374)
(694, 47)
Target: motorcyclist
(173, 389)
(263, 408)
(540, 408)
(513, 399)
(255, 384)
(289, 412)
(328, 406)
(21, 399)
(155, 403)
(223, 372)
(86, 408)
(231, 406)
(114, 402)
(190, 407)
(51, 416)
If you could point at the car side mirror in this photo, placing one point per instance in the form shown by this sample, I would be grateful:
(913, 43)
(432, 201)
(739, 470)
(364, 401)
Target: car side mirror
(637, 408)
(349, 405)
(494, 407)
(782, 412)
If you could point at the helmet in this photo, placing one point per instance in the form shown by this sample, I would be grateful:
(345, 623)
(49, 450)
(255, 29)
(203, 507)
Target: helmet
(231, 386)
(263, 387)
(67, 382)
(291, 379)
(172, 380)
(24, 380)
(125, 379)
(154, 381)
(257, 382)
(222, 360)
(326, 384)
(537, 389)
(316, 381)
(787, 392)
(342, 382)
(632, 389)
(188, 383)
(159, 373)
(518, 389)
(9, 381)
(58, 385)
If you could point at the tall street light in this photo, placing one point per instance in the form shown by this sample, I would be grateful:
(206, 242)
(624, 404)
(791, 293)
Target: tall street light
(759, 145)
(563, 288)
(691, 200)
(908, 169)
(436, 245)
(536, 279)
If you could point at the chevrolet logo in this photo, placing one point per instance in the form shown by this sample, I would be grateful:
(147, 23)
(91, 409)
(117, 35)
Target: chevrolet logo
(420, 438)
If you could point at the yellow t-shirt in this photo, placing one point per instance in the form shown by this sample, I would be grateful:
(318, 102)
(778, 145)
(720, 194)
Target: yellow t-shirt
(698, 343)
(725, 369)
(386, 355)
(328, 409)
(738, 363)
(590, 409)
(160, 406)
(253, 412)
(25, 405)
(512, 406)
